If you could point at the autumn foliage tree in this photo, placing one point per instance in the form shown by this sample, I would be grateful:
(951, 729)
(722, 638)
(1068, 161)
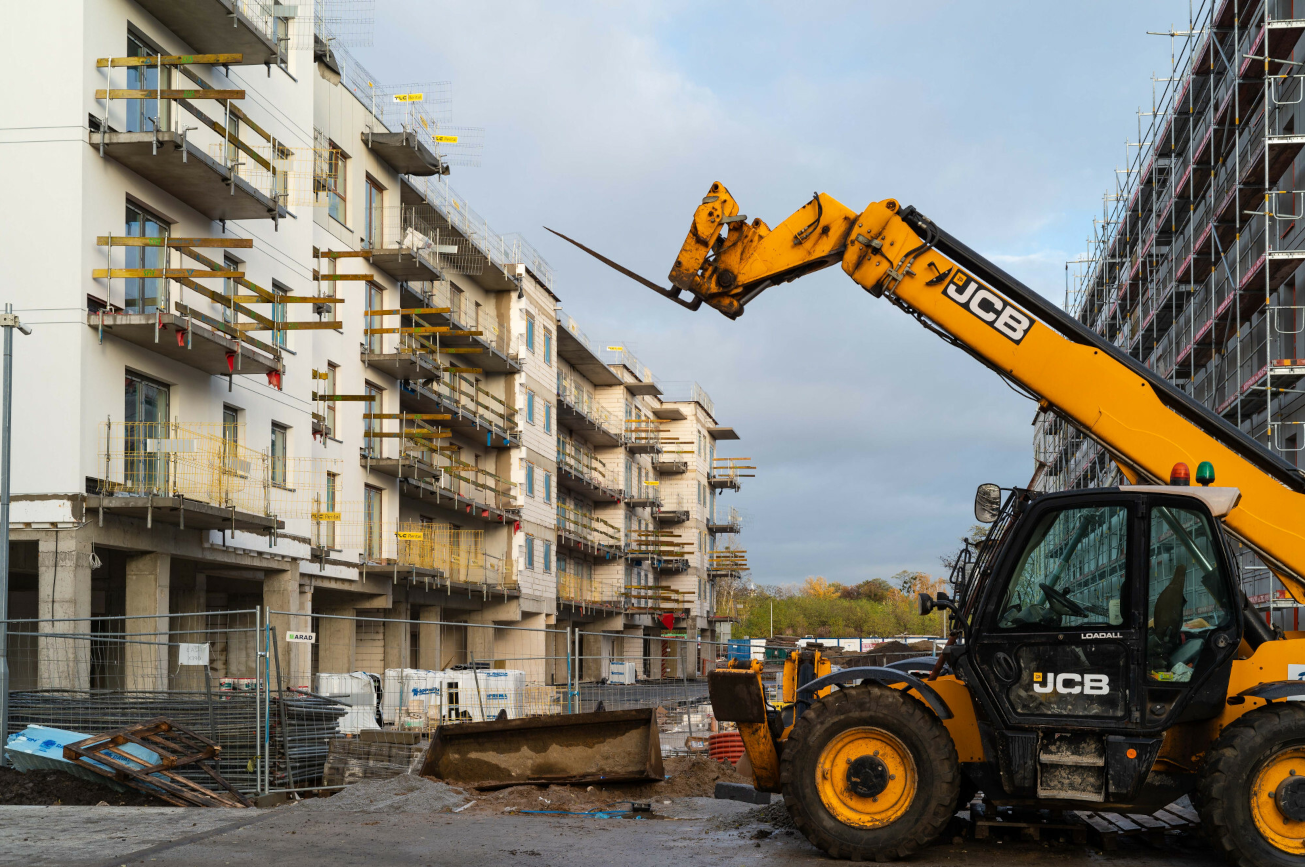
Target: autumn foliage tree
(824, 609)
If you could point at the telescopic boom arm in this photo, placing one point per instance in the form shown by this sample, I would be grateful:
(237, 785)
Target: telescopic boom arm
(1143, 421)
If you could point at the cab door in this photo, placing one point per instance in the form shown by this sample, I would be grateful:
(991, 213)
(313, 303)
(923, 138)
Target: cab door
(1060, 642)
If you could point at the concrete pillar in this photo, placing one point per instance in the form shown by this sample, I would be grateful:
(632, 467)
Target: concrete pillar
(593, 663)
(281, 595)
(189, 599)
(430, 650)
(480, 637)
(149, 592)
(337, 640)
(557, 652)
(398, 636)
(524, 649)
(63, 592)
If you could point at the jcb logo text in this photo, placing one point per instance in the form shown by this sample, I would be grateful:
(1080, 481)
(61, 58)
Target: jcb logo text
(1009, 321)
(1069, 683)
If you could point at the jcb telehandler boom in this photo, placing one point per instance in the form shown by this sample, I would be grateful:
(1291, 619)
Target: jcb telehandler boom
(1103, 651)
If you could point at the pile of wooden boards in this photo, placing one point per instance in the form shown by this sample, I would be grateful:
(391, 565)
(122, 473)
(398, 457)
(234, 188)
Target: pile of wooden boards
(372, 756)
(149, 757)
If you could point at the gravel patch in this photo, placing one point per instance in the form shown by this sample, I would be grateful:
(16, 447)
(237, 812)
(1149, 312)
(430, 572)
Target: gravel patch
(773, 814)
(401, 794)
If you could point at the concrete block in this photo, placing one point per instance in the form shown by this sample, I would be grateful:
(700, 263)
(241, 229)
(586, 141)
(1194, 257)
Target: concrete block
(741, 792)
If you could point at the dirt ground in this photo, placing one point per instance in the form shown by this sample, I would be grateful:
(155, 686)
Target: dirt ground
(55, 788)
(686, 777)
(690, 831)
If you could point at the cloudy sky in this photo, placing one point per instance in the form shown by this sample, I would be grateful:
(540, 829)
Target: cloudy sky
(609, 121)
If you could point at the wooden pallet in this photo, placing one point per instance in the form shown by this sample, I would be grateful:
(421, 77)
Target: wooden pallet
(1035, 831)
(175, 747)
(1107, 828)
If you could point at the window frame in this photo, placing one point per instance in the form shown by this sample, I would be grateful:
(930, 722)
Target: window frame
(530, 332)
(337, 180)
(279, 463)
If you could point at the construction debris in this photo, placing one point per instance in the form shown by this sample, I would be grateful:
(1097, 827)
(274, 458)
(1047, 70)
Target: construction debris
(352, 760)
(609, 746)
(161, 747)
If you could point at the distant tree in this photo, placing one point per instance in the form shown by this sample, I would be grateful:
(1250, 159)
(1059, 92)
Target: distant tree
(816, 587)
(976, 534)
(874, 590)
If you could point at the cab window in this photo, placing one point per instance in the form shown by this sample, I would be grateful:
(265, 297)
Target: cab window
(1187, 593)
(1071, 572)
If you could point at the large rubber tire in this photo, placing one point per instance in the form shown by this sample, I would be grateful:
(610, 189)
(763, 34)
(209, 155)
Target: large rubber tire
(937, 772)
(1224, 793)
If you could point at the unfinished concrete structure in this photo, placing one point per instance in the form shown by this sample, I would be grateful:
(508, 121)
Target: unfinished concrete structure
(1195, 263)
(300, 374)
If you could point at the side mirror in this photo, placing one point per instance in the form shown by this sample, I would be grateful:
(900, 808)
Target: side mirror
(987, 503)
(927, 605)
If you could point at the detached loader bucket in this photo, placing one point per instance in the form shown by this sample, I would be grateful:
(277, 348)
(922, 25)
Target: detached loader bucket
(612, 746)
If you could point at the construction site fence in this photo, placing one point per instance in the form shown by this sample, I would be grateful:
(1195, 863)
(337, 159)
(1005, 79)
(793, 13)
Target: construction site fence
(274, 689)
(97, 674)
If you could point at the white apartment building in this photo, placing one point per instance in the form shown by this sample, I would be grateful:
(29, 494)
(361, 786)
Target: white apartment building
(278, 363)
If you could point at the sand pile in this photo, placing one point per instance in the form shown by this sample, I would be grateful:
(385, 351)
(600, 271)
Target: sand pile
(402, 794)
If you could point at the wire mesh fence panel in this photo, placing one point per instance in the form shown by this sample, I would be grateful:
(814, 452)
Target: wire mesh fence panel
(99, 674)
(622, 672)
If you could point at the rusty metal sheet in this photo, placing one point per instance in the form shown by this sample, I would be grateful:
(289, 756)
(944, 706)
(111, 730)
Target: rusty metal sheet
(607, 746)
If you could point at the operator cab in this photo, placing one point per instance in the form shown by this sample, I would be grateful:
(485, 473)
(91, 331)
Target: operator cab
(1108, 615)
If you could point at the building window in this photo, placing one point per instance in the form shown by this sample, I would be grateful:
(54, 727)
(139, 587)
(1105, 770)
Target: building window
(279, 311)
(280, 441)
(373, 299)
(372, 522)
(335, 181)
(530, 552)
(145, 470)
(548, 487)
(328, 505)
(230, 440)
(548, 556)
(331, 371)
(372, 219)
(629, 472)
(530, 406)
(530, 480)
(230, 289)
(548, 418)
(548, 346)
(372, 444)
(146, 115)
(144, 294)
(530, 333)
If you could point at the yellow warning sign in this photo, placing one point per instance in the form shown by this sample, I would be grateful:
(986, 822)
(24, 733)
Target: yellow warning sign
(411, 537)
(409, 97)
(446, 139)
(326, 516)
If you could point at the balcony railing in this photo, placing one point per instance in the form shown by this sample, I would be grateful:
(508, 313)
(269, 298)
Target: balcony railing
(434, 551)
(582, 462)
(151, 121)
(206, 462)
(587, 528)
(582, 400)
